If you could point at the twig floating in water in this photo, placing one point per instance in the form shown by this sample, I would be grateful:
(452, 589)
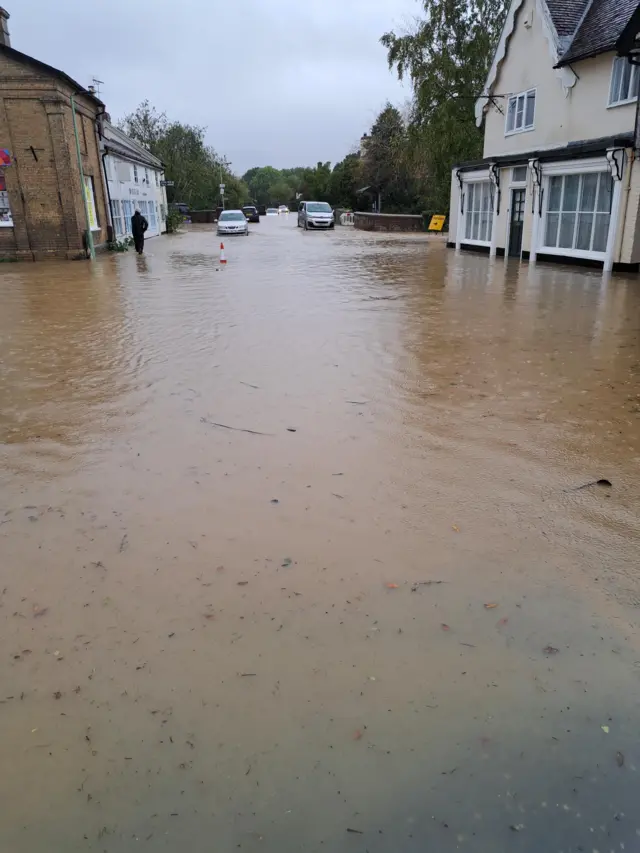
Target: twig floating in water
(249, 385)
(601, 482)
(417, 584)
(235, 429)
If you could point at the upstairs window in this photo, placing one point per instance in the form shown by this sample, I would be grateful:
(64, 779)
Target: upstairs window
(521, 110)
(135, 173)
(624, 82)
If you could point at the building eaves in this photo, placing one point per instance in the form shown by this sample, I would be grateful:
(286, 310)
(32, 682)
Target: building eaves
(572, 151)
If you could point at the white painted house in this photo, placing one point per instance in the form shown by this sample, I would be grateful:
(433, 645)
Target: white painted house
(559, 179)
(134, 180)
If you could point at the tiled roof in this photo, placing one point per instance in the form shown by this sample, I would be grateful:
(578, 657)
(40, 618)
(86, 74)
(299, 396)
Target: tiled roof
(566, 15)
(599, 29)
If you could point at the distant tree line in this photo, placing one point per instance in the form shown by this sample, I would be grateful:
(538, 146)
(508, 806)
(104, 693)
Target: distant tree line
(404, 161)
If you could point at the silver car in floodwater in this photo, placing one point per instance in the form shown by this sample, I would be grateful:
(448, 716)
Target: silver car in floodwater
(315, 214)
(232, 222)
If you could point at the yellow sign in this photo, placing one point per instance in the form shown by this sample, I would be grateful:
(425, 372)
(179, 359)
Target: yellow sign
(91, 204)
(437, 222)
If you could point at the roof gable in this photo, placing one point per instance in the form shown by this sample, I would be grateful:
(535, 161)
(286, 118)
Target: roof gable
(576, 29)
(50, 71)
(554, 42)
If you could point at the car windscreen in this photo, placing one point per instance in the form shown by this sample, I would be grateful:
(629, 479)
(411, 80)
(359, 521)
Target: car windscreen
(318, 207)
(231, 216)
(249, 209)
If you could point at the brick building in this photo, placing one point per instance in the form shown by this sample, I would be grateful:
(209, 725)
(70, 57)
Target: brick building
(42, 211)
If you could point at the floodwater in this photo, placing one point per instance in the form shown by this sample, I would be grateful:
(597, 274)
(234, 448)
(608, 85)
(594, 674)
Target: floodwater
(293, 557)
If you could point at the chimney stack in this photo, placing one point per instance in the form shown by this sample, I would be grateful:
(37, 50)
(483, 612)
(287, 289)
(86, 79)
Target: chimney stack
(5, 38)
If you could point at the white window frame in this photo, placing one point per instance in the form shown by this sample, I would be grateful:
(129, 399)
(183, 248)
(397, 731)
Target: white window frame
(578, 167)
(118, 218)
(475, 179)
(524, 128)
(135, 173)
(518, 184)
(633, 80)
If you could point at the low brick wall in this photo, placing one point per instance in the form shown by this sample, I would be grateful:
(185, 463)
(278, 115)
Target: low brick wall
(203, 216)
(388, 222)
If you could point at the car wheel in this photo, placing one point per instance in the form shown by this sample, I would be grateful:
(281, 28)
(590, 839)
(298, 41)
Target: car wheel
(332, 225)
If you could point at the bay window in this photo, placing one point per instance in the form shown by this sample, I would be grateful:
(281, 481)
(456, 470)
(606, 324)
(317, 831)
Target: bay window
(578, 212)
(479, 212)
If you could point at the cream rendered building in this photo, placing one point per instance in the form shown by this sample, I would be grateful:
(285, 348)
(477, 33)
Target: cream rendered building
(559, 179)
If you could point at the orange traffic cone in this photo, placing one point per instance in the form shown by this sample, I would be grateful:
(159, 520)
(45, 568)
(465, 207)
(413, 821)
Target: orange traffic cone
(223, 260)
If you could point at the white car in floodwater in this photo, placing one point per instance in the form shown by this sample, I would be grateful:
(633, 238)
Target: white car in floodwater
(315, 214)
(272, 211)
(283, 209)
(232, 222)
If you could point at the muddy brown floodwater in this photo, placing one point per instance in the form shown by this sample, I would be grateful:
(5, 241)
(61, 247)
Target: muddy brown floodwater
(382, 617)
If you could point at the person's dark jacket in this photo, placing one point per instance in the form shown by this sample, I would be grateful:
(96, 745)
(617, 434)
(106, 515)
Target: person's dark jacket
(138, 224)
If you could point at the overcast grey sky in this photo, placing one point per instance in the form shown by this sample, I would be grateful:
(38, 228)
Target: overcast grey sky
(276, 82)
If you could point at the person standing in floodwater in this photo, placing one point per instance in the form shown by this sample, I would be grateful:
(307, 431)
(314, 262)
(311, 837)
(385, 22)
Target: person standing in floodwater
(138, 226)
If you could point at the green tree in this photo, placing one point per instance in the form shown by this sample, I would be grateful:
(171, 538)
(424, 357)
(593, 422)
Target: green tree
(385, 165)
(447, 58)
(281, 192)
(194, 167)
(346, 180)
(259, 180)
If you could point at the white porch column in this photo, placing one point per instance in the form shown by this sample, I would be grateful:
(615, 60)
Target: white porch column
(533, 251)
(616, 158)
(494, 175)
(461, 216)
(536, 189)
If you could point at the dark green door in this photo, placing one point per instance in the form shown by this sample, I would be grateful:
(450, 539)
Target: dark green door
(516, 224)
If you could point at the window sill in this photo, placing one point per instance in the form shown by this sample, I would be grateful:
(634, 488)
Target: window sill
(476, 242)
(520, 130)
(572, 253)
(622, 103)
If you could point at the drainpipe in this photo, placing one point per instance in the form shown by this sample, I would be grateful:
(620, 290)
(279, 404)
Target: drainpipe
(90, 246)
(105, 180)
(106, 183)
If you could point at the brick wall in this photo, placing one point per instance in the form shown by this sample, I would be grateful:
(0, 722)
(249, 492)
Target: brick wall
(44, 184)
(388, 222)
